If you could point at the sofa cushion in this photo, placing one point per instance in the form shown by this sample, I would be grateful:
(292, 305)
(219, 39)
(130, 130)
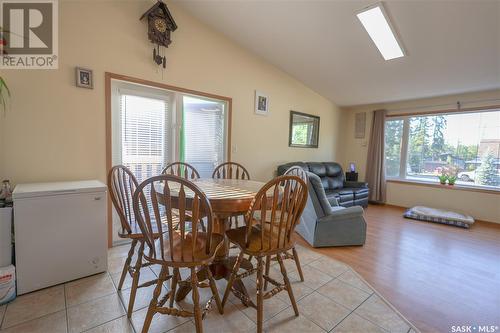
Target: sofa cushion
(341, 191)
(359, 193)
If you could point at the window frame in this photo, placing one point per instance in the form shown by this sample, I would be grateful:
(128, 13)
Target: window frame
(403, 177)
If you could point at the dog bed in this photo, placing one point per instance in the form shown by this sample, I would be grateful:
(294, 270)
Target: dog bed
(442, 216)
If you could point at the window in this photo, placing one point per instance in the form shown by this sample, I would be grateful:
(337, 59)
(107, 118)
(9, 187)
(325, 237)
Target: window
(153, 127)
(465, 145)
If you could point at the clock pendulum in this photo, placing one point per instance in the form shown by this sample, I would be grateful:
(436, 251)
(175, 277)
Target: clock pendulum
(157, 58)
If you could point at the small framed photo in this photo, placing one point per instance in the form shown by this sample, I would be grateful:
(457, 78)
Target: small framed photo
(352, 167)
(84, 78)
(261, 103)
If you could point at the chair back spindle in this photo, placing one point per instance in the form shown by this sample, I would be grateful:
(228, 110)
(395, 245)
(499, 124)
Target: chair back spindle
(231, 170)
(181, 169)
(282, 200)
(299, 172)
(122, 184)
(175, 207)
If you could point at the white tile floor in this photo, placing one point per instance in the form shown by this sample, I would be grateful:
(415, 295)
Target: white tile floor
(333, 298)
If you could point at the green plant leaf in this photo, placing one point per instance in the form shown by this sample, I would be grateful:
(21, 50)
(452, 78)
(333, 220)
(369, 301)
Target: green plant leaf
(4, 84)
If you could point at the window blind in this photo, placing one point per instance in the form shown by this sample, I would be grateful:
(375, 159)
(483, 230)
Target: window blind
(203, 134)
(144, 139)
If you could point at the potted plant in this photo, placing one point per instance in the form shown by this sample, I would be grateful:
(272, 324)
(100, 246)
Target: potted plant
(443, 178)
(4, 89)
(452, 180)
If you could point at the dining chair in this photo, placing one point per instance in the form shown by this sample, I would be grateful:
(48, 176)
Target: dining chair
(179, 247)
(302, 174)
(122, 184)
(283, 200)
(231, 170)
(181, 169)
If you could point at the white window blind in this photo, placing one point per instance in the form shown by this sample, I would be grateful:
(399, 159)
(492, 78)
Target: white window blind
(144, 134)
(204, 133)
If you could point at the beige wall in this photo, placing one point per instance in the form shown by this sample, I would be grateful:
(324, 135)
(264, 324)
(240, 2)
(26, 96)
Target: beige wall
(55, 131)
(481, 205)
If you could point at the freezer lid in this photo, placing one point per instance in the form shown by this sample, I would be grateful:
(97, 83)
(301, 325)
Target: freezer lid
(57, 188)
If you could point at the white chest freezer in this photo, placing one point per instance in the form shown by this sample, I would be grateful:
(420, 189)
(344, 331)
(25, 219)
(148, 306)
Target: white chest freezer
(60, 232)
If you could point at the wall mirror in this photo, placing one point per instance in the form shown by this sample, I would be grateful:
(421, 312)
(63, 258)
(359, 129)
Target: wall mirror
(304, 130)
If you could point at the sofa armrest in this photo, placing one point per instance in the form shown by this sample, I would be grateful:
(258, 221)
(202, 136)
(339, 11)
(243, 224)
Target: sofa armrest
(355, 184)
(340, 214)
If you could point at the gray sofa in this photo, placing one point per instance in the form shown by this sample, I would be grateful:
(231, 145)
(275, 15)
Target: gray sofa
(337, 189)
(323, 224)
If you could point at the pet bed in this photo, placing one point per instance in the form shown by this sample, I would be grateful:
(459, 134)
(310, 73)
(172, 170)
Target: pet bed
(442, 216)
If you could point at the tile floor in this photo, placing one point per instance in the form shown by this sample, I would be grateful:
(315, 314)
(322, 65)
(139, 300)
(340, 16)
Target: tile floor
(333, 298)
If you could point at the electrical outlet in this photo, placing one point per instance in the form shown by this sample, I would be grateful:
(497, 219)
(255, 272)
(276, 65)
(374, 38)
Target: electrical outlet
(234, 149)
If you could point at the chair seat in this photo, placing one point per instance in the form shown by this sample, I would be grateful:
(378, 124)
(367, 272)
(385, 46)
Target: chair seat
(199, 257)
(237, 236)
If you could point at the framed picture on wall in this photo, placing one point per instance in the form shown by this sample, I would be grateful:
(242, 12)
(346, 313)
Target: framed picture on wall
(261, 103)
(84, 78)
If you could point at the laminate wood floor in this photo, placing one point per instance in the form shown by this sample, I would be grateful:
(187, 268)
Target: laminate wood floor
(436, 275)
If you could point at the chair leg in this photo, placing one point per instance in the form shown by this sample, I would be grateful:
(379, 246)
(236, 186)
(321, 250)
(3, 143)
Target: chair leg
(297, 263)
(215, 291)
(268, 266)
(287, 284)
(260, 294)
(196, 301)
(231, 278)
(154, 301)
(135, 279)
(173, 286)
(127, 264)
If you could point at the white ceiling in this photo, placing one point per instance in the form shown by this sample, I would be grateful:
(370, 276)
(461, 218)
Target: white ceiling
(452, 46)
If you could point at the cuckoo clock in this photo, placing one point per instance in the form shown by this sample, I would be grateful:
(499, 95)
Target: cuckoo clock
(160, 25)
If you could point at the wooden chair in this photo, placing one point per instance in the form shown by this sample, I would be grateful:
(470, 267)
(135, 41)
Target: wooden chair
(181, 169)
(283, 199)
(231, 170)
(122, 184)
(302, 174)
(182, 247)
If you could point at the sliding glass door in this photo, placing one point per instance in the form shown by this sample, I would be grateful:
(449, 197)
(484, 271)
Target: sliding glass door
(152, 127)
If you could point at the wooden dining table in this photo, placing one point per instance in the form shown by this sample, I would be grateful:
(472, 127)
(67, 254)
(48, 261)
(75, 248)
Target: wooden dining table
(228, 197)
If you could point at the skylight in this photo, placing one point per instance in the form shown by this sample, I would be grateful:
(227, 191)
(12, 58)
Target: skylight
(376, 23)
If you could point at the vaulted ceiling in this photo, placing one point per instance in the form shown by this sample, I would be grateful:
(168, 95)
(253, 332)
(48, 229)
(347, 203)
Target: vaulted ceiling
(452, 46)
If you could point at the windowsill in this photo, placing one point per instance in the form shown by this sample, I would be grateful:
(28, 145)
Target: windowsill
(446, 187)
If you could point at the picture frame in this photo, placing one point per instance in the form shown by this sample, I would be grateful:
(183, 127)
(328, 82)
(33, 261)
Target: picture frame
(261, 103)
(304, 130)
(84, 78)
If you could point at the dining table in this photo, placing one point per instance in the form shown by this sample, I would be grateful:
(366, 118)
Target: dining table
(228, 198)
